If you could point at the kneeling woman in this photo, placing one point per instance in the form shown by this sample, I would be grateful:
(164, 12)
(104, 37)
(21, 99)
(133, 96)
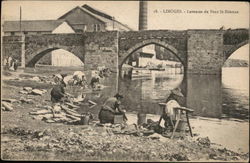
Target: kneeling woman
(111, 108)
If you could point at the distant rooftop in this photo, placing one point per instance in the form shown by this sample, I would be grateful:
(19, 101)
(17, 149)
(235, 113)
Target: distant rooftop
(97, 12)
(31, 25)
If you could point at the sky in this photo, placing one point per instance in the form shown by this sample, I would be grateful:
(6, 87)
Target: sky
(161, 14)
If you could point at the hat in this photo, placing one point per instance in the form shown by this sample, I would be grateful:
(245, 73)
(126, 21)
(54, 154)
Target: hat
(63, 83)
(177, 91)
(118, 95)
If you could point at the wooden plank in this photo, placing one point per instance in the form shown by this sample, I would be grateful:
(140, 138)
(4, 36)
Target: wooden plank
(71, 105)
(69, 111)
(189, 126)
(184, 108)
(73, 117)
(175, 127)
(162, 104)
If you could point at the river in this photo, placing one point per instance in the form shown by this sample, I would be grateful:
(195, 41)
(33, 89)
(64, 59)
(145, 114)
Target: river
(223, 96)
(214, 96)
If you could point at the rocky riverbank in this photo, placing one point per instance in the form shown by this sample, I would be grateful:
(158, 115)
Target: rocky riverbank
(25, 138)
(100, 143)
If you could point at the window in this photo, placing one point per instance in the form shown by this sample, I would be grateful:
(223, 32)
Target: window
(25, 32)
(39, 32)
(79, 31)
(12, 33)
(84, 28)
(97, 27)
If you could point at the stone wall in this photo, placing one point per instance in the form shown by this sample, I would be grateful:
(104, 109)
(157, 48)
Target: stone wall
(205, 51)
(12, 47)
(101, 49)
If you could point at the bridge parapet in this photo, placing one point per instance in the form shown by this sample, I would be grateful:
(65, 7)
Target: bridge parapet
(11, 39)
(130, 38)
(233, 40)
(235, 36)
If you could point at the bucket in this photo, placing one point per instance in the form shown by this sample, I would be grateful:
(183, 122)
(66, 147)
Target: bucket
(182, 125)
(141, 118)
(85, 120)
(118, 119)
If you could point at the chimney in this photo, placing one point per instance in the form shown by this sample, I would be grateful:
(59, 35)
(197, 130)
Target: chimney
(143, 15)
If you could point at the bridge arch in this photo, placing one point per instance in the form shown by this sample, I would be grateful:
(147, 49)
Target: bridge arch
(37, 55)
(229, 52)
(130, 51)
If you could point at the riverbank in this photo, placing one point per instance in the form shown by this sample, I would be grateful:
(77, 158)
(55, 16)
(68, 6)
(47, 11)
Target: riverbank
(42, 141)
(232, 134)
(26, 138)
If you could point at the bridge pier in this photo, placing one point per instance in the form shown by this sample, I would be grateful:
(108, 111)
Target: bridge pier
(205, 51)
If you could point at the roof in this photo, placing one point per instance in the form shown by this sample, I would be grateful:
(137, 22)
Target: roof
(31, 25)
(104, 17)
(101, 16)
(97, 12)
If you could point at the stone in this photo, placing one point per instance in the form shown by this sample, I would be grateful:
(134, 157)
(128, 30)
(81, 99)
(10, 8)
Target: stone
(204, 141)
(39, 117)
(28, 89)
(44, 90)
(10, 100)
(50, 121)
(35, 78)
(7, 106)
(28, 101)
(23, 92)
(37, 92)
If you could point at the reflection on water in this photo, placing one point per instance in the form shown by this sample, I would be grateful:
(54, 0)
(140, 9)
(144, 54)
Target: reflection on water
(209, 95)
(204, 94)
(235, 90)
(146, 90)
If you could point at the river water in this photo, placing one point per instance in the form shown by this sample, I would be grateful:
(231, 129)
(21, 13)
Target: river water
(216, 96)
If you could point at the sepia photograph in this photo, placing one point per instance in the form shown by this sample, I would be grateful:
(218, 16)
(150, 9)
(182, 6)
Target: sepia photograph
(119, 81)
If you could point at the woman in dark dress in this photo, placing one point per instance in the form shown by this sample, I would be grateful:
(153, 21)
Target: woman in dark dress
(110, 108)
(58, 92)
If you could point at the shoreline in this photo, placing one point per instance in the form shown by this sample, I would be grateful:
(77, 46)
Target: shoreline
(236, 132)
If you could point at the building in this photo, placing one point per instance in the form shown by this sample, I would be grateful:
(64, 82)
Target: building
(88, 19)
(78, 20)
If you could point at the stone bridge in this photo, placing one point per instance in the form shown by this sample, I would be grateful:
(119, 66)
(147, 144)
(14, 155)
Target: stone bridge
(200, 51)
